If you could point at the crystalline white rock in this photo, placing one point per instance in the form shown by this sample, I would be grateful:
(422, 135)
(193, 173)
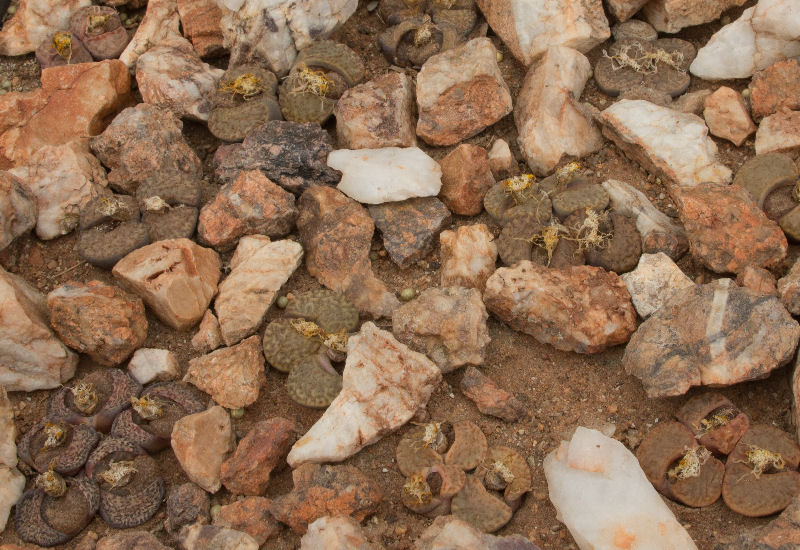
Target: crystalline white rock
(780, 18)
(653, 282)
(605, 500)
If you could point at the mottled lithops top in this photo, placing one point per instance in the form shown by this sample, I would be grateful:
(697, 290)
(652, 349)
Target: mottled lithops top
(244, 99)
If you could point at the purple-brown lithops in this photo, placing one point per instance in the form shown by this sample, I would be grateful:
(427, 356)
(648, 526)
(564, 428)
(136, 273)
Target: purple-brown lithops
(429, 491)
(100, 29)
(245, 99)
(469, 446)
(475, 505)
(62, 48)
(716, 422)
(57, 445)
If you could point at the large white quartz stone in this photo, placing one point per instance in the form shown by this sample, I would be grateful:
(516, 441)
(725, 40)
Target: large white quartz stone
(653, 282)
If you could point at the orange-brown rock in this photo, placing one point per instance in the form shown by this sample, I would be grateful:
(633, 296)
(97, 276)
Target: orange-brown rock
(726, 116)
(200, 22)
(208, 336)
(490, 398)
(18, 209)
(466, 177)
(74, 103)
(758, 280)
(201, 443)
(775, 88)
(250, 515)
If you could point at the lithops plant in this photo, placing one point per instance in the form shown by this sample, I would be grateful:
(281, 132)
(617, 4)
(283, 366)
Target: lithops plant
(430, 491)
(169, 203)
(469, 446)
(95, 400)
(517, 195)
(244, 99)
(55, 510)
(57, 445)
(423, 446)
(504, 469)
(624, 248)
(314, 382)
(760, 477)
(131, 489)
(475, 505)
(101, 31)
(459, 14)
(320, 75)
(62, 48)
(110, 228)
(715, 422)
(149, 421)
(412, 42)
(577, 195)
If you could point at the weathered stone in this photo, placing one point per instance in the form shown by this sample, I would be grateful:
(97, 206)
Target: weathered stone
(13, 482)
(211, 537)
(410, 228)
(727, 231)
(259, 269)
(501, 162)
(775, 89)
(98, 319)
(384, 384)
(468, 256)
(335, 533)
(208, 336)
(779, 133)
(583, 309)
(490, 398)
(18, 210)
(186, 504)
(550, 120)
(789, 289)
(141, 143)
(34, 21)
(622, 10)
(451, 532)
(529, 28)
(73, 103)
(446, 324)
(336, 233)
(727, 117)
(249, 515)
(716, 334)
(175, 278)
(321, 490)
(149, 364)
(376, 176)
(691, 102)
(201, 443)
(758, 280)
(261, 451)
(672, 15)
(460, 92)
(232, 376)
(200, 20)
(778, 18)
(291, 154)
(160, 26)
(466, 178)
(377, 114)
(129, 540)
(666, 143)
(653, 282)
(780, 533)
(635, 28)
(31, 357)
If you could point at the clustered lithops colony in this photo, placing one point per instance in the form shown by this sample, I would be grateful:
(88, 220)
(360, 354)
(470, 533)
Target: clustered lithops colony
(450, 469)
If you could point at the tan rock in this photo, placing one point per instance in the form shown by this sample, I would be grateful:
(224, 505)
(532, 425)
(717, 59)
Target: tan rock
(727, 117)
(160, 26)
(789, 289)
(73, 103)
(653, 282)
(335, 533)
(34, 21)
(150, 364)
(200, 20)
(31, 357)
(468, 256)
(622, 10)
(501, 161)
(466, 178)
(758, 280)
(779, 133)
(12, 484)
(201, 443)
(18, 211)
(212, 537)
(775, 88)
(8, 432)
(129, 540)
(490, 398)
(176, 278)
(691, 102)
(208, 337)
(249, 515)
(673, 15)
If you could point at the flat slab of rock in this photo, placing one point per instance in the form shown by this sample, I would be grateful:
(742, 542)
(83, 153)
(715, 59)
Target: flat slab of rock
(176, 278)
(18, 210)
(150, 364)
(375, 176)
(727, 116)
(712, 335)
(528, 27)
(201, 443)
(551, 122)
(466, 177)
(31, 356)
(779, 133)
(249, 515)
(460, 92)
(446, 324)
(410, 228)
(34, 21)
(727, 231)
(384, 384)
(468, 255)
(490, 398)
(672, 145)
(670, 16)
(583, 309)
(653, 282)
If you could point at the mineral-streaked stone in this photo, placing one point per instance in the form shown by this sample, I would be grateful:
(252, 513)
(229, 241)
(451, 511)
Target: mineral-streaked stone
(34, 21)
(469, 255)
(653, 282)
(201, 443)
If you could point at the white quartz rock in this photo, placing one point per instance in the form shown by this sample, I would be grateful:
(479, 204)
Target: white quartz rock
(780, 18)
(375, 176)
(148, 364)
(384, 384)
(159, 27)
(12, 484)
(653, 282)
(603, 497)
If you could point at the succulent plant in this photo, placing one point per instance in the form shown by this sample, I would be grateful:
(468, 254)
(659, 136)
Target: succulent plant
(62, 48)
(245, 99)
(716, 422)
(57, 445)
(100, 29)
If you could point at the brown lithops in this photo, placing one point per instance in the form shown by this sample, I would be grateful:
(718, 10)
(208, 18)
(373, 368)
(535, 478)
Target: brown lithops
(330, 310)
(475, 505)
(95, 400)
(760, 477)
(245, 99)
(422, 447)
(430, 491)
(314, 382)
(55, 444)
(412, 42)
(577, 195)
(469, 446)
(55, 510)
(62, 48)
(285, 347)
(101, 31)
(504, 469)
(169, 203)
(110, 228)
(715, 421)
(516, 195)
(622, 251)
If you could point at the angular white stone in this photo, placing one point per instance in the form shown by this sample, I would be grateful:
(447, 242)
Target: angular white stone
(672, 144)
(375, 176)
(159, 27)
(148, 364)
(780, 18)
(34, 21)
(653, 282)
(779, 133)
(384, 384)
(335, 533)
(603, 497)
(12, 484)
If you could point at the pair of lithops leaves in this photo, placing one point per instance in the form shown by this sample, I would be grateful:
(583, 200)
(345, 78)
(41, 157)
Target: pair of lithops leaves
(423, 28)
(313, 332)
(95, 33)
(772, 181)
(561, 221)
(436, 458)
(321, 73)
(165, 206)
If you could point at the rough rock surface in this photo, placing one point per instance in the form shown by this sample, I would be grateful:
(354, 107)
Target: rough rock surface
(670, 16)
(775, 89)
(176, 278)
(34, 21)
(336, 533)
(781, 532)
(150, 364)
(466, 177)
(261, 451)
(73, 103)
(460, 92)
(31, 357)
(653, 282)
(758, 280)
(12, 482)
(201, 443)
(18, 211)
(232, 376)
(551, 122)
(714, 334)
(259, 269)
(98, 319)
(336, 233)
(249, 515)
(501, 161)
(212, 537)
(727, 231)
(186, 504)
(468, 256)
(622, 10)
(490, 398)
(384, 384)
(779, 133)
(446, 324)
(672, 145)
(450, 532)
(410, 228)
(528, 28)
(789, 289)
(200, 20)
(583, 309)
(128, 540)
(376, 114)
(208, 337)
(727, 117)
(160, 26)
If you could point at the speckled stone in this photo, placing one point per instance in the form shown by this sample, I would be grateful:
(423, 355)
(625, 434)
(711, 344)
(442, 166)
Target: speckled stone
(410, 228)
